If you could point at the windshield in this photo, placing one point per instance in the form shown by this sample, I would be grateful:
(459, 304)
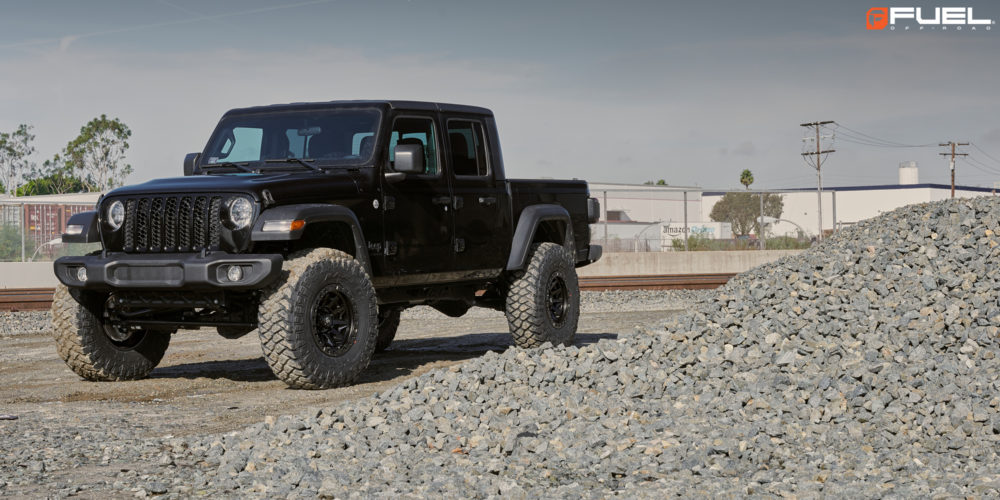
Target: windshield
(329, 137)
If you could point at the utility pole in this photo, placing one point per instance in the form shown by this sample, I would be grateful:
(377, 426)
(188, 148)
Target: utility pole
(953, 154)
(817, 164)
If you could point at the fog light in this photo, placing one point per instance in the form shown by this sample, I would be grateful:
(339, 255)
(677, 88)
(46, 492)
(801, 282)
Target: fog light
(234, 273)
(81, 274)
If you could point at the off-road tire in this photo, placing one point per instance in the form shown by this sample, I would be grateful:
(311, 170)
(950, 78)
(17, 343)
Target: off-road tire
(81, 341)
(528, 307)
(388, 323)
(290, 333)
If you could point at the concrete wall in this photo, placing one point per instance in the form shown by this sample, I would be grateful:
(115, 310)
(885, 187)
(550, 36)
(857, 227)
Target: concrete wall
(625, 264)
(27, 275)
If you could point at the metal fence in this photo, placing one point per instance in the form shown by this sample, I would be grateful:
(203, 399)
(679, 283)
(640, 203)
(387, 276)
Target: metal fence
(32, 230)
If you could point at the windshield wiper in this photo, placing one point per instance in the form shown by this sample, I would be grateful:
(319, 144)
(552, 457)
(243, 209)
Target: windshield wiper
(300, 161)
(227, 164)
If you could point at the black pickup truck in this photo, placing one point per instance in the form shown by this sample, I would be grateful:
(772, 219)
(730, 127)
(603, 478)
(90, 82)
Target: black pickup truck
(316, 224)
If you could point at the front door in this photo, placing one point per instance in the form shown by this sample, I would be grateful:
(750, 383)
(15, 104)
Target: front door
(419, 217)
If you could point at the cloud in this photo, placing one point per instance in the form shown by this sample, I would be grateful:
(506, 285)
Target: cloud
(742, 102)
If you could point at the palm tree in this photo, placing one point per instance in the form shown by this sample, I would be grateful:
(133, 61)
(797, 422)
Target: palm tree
(746, 178)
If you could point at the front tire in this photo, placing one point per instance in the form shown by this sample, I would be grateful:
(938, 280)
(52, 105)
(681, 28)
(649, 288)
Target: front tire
(543, 301)
(96, 349)
(318, 326)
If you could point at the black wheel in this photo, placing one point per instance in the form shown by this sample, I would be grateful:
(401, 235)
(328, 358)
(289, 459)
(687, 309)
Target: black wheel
(388, 323)
(318, 325)
(94, 346)
(543, 301)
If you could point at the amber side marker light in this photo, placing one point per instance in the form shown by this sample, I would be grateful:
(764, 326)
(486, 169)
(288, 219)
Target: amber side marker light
(283, 226)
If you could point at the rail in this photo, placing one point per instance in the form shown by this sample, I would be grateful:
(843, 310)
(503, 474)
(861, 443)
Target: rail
(35, 299)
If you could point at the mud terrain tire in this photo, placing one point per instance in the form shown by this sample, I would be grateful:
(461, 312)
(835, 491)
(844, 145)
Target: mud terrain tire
(543, 300)
(318, 325)
(85, 340)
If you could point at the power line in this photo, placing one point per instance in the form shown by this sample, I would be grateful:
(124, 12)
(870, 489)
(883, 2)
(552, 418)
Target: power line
(985, 153)
(982, 167)
(875, 141)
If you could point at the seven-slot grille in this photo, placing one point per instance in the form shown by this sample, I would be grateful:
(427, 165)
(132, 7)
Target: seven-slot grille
(172, 223)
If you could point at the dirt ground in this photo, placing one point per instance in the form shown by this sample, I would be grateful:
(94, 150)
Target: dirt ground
(208, 384)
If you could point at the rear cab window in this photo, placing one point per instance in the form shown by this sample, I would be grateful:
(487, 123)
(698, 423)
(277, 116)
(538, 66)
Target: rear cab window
(468, 155)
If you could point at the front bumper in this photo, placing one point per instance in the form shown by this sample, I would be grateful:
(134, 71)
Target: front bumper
(168, 271)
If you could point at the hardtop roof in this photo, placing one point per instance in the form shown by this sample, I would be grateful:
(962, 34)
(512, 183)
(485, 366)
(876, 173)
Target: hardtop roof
(403, 105)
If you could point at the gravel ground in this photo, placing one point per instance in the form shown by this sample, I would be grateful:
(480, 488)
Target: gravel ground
(20, 323)
(87, 439)
(864, 367)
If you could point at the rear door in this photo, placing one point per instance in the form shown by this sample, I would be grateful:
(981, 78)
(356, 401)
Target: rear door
(419, 219)
(479, 236)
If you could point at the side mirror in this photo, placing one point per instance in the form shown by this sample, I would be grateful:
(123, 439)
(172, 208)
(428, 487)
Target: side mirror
(409, 158)
(191, 164)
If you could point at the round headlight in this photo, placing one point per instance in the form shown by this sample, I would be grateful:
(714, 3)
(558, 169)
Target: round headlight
(239, 211)
(116, 214)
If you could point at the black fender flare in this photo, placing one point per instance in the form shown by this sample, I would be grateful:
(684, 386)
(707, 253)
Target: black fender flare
(527, 226)
(89, 234)
(312, 213)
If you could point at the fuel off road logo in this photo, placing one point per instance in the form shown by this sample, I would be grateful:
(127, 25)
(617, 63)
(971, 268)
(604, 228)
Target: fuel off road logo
(922, 19)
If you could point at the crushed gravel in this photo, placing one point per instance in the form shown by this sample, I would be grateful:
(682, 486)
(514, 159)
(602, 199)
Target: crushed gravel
(865, 367)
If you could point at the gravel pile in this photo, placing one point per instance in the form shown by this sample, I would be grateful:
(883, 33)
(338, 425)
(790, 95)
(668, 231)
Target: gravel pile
(865, 367)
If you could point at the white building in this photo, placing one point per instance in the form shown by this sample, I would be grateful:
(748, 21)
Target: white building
(648, 218)
(846, 205)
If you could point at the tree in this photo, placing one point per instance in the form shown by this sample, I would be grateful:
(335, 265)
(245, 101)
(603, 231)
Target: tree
(746, 178)
(742, 210)
(15, 148)
(55, 177)
(98, 153)
(660, 182)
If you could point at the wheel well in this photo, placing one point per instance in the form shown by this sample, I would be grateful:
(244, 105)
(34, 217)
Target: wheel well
(552, 231)
(336, 235)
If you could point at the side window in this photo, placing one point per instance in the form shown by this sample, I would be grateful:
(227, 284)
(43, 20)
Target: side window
(412, 130)
(468, 148)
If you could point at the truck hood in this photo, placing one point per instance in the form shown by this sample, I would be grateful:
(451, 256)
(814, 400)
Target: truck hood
(304, 186)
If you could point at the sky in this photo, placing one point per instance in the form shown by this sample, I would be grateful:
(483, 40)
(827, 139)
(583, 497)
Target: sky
(623, 91)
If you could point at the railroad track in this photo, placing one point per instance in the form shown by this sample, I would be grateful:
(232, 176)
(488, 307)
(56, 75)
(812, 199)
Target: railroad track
(655, 282)
(34, 299)
(25, 299)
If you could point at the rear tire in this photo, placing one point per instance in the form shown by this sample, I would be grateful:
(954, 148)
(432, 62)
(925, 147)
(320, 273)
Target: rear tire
(93, 347)
(318, 325)
(543, 301)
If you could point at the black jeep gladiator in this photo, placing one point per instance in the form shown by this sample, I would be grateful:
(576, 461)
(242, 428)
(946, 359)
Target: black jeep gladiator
(316, 224)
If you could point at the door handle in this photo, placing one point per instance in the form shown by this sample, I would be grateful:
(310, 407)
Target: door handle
(488, 201)
(441, 200)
